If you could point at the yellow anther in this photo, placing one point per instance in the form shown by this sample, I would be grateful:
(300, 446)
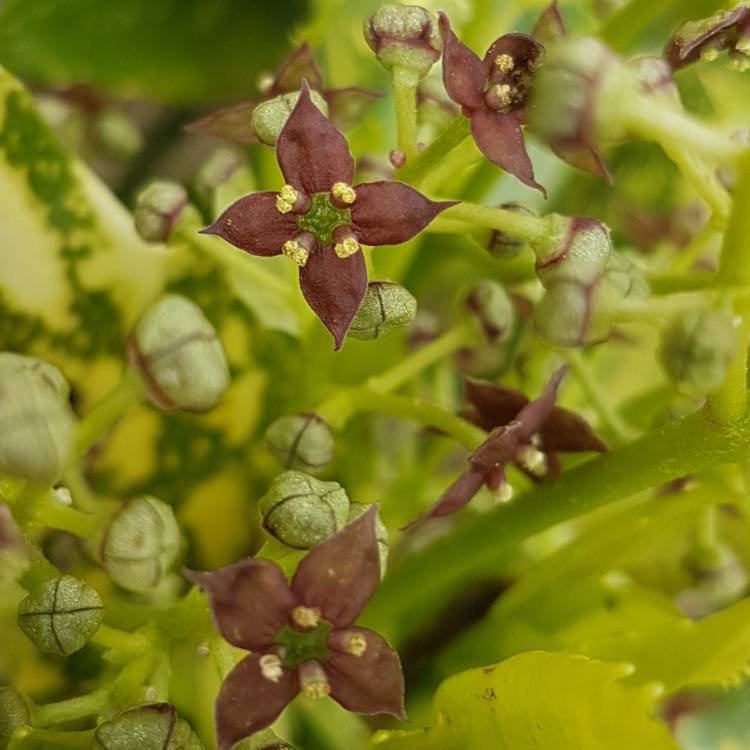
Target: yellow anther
(306, 617)
(505, 63)
(347, 247)
(343, 192)
(356, 645)
(534, 461)
(316, 690)
(504, 493)
(709, 54)
(287, 198)
(283, 207)
(503, 94)
(270, 667)
(295, 252)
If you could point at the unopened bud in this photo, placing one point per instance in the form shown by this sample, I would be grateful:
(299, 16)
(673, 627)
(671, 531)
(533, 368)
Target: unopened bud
(140, 544)
(696, 350)
(269, 117)
(223, 178)
(60, 615)
(36, 421)
(15, 712)
(501, 244)
(655, 76)
(301, 511)
(405, 37)
(158, 208)
(179, 356)
(381, 532)
(266, 739)
(493, 308)
(149, 727)
(386, 305)
(118, 133)
(301, 441)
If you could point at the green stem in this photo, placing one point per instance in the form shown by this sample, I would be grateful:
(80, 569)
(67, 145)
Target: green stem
(673, 450)
(657, 309)
(49, 512)
(729, 404)
(120, 640)
(92, 704)
(405, 99)
(453, 134)
(36, 738)
(529, 228)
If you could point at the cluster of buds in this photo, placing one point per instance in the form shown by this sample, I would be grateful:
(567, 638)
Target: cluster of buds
(15, 713)
(386, 306)
(36, 438)
(154, 725)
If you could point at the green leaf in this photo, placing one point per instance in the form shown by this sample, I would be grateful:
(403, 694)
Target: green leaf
(539, 701)
(171, 50)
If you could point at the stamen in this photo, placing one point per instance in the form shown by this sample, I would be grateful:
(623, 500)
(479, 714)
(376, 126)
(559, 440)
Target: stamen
(709, 54)
(288, 196)
(533, 460)
(306, 617)
(344, 193)
(270, 667)
(356, 644)
(347, 247)
(505, 62)
(503, 94)
(294, 251)
(313, 680)
(504, 493)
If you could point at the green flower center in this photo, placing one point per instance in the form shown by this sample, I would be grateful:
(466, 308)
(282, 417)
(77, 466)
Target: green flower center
(304, 646)
(323, 218)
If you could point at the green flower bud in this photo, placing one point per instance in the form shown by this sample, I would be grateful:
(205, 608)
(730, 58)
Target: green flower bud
(269, 117)
(386, 305)
(178, 354)
(15, 712)
(140, 544)
(223, 178)
(158, 208)
(118, 133)
(36, 422)
(301, 511)
(493, 309)
(404, 36)
(301, 441)
(655, 76)
(355, 511)
(60, 615)
(502, 244)
(266, 739)
(696, 350)
(149, 727)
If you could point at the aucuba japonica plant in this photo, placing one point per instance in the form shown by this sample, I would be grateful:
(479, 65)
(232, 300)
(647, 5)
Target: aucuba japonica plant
(359, 390)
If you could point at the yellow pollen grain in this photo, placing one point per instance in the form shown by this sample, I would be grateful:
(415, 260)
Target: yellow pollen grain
(295, 252)
(288, 193)
(282, 206)
(306, 617)
(270, 667)
(346, 248)
(316, 690)
(505, 62)
(504, 94)
(357, 645)
(345, 193)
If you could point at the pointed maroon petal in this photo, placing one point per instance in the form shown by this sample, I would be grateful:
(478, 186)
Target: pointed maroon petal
(248, 702)
(494, 405)
(568, 432)
(311, 151)
(454, 498)
(372, 683)
(334, 288)
(550, 26)
(389, 213)
(347, 106)
(525, 51)
(254, 225)
(341, 574)
(250, 600)
(500, 138)
(582, 155)
(231, 124)
(463, 72)
(300, 65)
(536, 412)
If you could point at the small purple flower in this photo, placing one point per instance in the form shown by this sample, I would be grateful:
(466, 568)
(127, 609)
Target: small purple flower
(346, 106)
(493, 93)
(302, 636)
(527, 433)
(319, 220)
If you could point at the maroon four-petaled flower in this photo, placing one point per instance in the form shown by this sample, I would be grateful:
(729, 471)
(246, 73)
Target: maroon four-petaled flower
(302, 636)
(319, 220)
(493, 93)
(346, 106)
(527, 433)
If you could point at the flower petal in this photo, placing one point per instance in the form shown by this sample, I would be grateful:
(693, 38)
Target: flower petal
(249, 702)
(372, 683)
(568, 432)
(341, 574)
(463, 73)
(311, 151)
(346, 107)
(334, 288)
(299, 66)
(250, 600)
(493, 405)
(533, 416)
(454, 498)
(581, 153)
(500, 138)
(231, 124)
(525, 52)
(254, 225)
(389, 213)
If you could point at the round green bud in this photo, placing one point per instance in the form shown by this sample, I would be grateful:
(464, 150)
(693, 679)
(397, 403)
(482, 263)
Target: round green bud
(140, 544)
(149, 727)
(561, 317)
(696, 350)
(38, 424)
(179, 356)
(501, 244)
(386, 305)
(301, 441)
(15, 712)
(405, 37)
(655, 76)
(158, 208)
(493, 308)
(118, 133)
(381, 532)
(301, 511)
(266, 739)
(269, 117)
(223, 178)
(60, 615)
